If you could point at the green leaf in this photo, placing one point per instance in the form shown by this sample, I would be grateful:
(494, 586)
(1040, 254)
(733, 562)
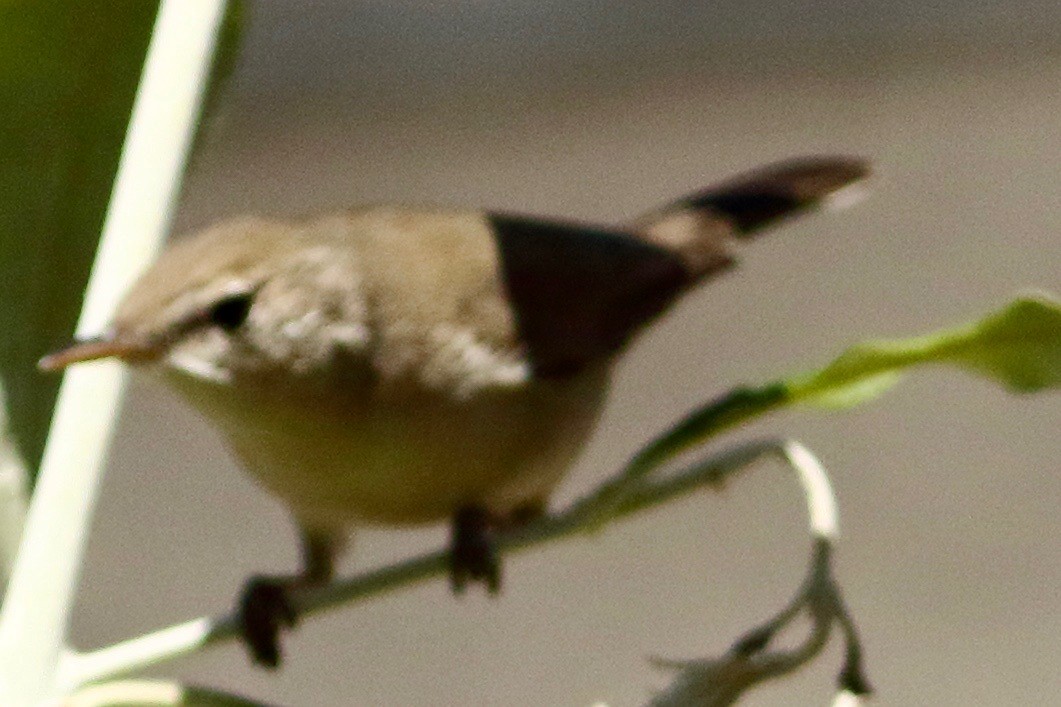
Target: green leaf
(1019, 347)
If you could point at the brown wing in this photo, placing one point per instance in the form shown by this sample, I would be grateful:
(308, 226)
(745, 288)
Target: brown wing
(578, 292)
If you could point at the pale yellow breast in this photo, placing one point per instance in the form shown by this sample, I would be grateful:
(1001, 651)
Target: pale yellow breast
(412, 458)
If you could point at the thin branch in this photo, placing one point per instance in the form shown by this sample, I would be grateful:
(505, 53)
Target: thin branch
(128, 657)
(728, 411)
(722, 681)
(703, 682)
(40, 594)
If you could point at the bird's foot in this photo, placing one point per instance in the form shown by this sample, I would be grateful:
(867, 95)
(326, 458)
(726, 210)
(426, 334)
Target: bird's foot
(265, 609)
(473, 553)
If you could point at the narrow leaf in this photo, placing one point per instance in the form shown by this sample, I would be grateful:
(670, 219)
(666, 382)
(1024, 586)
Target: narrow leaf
(1019, 347)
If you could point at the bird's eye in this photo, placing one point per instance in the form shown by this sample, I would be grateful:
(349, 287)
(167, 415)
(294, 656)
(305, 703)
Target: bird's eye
(230, 312)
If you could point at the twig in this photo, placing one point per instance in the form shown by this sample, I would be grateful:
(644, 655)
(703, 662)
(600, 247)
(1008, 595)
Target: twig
(721, 681)
(128, 657)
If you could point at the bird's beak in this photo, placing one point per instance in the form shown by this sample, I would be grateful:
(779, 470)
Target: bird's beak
(95, 348)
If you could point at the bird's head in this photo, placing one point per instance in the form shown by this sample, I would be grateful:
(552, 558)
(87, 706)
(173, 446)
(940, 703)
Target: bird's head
(229, 304)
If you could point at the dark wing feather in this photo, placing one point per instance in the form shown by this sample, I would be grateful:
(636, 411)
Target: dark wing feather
(579, 293)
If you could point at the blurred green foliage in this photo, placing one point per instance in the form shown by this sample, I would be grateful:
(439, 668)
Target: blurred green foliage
(68, 75)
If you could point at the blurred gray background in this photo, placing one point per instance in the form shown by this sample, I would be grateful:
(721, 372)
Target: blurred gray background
(949, 487)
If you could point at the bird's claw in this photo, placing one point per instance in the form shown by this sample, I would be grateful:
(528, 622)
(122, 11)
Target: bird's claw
(473, 553)
(265, 609)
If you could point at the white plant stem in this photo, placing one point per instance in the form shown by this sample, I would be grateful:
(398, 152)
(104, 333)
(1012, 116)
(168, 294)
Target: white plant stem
(13, 501)
(822, 514)
(40, 595)
(847, 699)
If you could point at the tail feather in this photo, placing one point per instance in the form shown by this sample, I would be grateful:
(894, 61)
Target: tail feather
(769, 194)
(702, 226)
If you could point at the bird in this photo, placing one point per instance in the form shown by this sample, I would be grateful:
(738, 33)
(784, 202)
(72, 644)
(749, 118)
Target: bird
(401, 365)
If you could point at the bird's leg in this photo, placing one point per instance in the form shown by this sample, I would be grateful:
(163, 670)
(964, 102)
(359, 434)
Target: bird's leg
(473, 551)
(473, 555)
(265, 606)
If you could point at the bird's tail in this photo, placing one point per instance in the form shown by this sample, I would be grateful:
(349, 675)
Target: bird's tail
(702, 227)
